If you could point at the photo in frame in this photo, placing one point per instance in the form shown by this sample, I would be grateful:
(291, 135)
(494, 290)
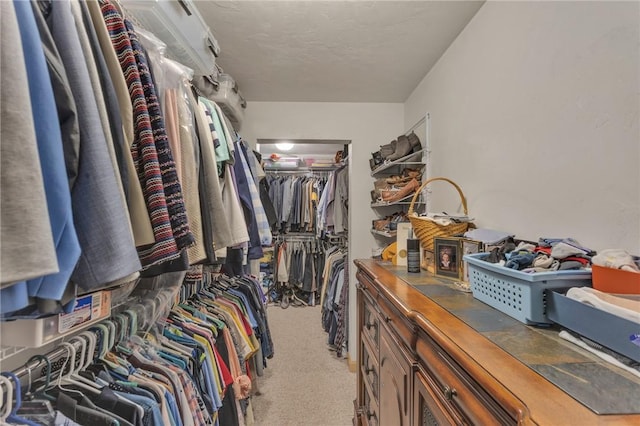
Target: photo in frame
(448, 257)
(427, 262)
(469, 247)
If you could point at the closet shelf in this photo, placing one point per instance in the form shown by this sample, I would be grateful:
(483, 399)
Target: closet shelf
(405, 201)
(285, 170)
(34, 333)
(404, 161)
(389, 234)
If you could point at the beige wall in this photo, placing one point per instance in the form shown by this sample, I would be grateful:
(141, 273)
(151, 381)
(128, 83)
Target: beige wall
(534, 112)
(367, 126)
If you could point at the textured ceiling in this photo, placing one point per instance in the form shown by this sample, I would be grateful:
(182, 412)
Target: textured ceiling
(333, 51)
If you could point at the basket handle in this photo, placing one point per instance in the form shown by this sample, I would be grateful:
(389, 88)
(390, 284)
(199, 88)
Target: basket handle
(455, 185)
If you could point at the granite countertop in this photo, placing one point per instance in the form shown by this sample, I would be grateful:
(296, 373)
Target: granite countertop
(598, 385)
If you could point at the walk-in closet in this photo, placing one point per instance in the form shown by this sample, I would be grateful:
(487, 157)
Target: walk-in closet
(308, 186)
(323, 213)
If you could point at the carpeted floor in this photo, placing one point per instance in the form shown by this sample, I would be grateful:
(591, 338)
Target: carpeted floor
(304, 383)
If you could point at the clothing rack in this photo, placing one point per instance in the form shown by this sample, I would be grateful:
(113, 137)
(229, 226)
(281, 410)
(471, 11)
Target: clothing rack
(24, 373)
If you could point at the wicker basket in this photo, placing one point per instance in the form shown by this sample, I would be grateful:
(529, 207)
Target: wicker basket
(426, 229)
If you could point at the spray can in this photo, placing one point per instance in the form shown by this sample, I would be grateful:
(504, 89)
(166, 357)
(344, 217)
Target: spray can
(413, 253)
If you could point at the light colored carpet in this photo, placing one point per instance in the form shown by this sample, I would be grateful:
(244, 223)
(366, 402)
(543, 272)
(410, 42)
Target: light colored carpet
(304, 383)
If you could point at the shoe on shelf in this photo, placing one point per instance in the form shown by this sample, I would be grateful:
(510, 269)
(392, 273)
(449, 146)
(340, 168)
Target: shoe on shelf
(408, 174)
(393, 196)
(403, 148)
(388, 149)
(414, 141)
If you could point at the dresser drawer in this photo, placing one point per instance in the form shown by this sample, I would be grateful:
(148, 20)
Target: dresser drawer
(429, 407)
(457, 389)
(371, 323)
(370, 412)
(397, 323)
(369, 368)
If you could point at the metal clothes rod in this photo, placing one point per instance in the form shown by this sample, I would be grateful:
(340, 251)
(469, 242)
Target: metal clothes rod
(291, 237)
(54, 354)
(299, 172)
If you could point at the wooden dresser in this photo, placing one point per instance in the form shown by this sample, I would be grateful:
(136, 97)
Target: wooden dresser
(429, 354)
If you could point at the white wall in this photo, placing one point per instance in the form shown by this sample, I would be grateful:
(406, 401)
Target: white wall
(367, 126)
(534, 112)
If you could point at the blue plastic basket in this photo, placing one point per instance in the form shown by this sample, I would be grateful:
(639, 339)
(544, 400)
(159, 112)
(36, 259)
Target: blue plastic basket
(519, 294)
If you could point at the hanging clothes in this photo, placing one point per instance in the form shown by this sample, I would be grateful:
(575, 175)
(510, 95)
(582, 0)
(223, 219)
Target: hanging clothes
(196, 369)
(143, 150)
(27, 249)
(140, 220)
(56, 186)
(295, 199)
(217, 231)
(334, 300)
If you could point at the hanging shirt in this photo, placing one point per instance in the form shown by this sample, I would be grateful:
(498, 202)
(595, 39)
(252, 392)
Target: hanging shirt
(27, 249)
(143, 150)
(264, 231)
(52, 164)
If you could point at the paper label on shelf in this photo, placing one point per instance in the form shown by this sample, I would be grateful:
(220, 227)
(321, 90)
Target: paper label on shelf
(87, 308)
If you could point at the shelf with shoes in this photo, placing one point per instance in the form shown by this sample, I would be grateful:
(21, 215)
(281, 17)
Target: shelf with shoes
(387, 226)
(391, 167)
(403, 201)
(397, 170)
(387, 234)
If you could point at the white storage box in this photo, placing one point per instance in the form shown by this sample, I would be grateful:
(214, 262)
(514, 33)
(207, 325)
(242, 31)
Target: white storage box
(181, 27)
(34, 333)
(230, 100)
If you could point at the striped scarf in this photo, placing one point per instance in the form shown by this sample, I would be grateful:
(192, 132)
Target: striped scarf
(152, 162)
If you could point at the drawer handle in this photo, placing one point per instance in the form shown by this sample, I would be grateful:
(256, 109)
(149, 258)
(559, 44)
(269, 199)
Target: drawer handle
(371, 324)
(387, 319)
(370, 414)
(368, 371)
(449, 393)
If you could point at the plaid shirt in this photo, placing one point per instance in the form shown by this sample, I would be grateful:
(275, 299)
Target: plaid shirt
(264, 230)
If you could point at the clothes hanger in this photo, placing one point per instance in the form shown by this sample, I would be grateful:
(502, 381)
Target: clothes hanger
(92, 340)
(37, 406)
(75, 375)
(42, 394)
(13, 416)
(5, 403)
(68, 379)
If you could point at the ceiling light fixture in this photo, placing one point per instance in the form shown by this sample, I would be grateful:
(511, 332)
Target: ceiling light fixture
(284, 146)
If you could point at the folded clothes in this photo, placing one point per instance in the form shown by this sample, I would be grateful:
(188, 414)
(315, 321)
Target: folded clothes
(570, 265)
(551, 242)
(617, 259)
(542, 261)
(525, 246)
(520, 261)
(487, 236)
(623, 307)
(562, 250)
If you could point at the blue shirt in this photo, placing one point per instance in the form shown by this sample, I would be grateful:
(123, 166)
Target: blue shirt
(49, 139)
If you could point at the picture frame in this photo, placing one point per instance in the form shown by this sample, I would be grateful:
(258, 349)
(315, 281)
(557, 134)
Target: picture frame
(469, 247)
(427, 261)
(448, 257)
